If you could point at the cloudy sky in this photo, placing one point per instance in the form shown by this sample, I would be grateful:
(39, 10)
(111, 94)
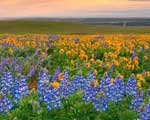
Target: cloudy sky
(74, 8)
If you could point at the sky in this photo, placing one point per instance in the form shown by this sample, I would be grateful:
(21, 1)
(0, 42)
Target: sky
(74, 8)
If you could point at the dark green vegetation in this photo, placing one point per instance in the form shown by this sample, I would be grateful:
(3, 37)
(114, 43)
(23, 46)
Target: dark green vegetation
(25, 27)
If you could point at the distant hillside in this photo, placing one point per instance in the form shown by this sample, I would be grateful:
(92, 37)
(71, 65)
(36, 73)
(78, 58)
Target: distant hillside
(26, 26)
(60, 27)
(118, 21)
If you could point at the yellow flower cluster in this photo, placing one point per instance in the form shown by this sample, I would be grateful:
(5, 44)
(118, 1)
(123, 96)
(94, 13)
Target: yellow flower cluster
(92, 51)
(140, 79)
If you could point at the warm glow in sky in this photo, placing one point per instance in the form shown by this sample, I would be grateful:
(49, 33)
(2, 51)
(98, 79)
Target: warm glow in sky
(74, 8)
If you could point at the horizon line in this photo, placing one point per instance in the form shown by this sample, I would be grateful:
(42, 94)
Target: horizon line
(7, 18)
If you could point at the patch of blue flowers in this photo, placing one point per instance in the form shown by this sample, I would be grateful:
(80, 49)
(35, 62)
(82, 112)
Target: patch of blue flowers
(12, 89)
(99, 93)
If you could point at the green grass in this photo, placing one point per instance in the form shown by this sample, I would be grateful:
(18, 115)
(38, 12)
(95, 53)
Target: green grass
(26, 27)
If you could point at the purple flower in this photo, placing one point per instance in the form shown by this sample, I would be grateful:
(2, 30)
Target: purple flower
(53, 37)
(32, 71)
(57, 71)
(76, 40)
(134, 55)
(142, 48)
(36, 51)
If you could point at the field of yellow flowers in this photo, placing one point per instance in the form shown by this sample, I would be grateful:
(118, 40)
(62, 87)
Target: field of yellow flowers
(75, 77)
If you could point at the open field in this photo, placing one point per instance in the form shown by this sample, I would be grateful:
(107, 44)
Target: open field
(73, 71)
(26, 27)
(74, 77)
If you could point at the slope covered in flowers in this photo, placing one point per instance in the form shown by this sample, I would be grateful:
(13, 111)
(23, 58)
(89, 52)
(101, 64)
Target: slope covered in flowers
(75, 76)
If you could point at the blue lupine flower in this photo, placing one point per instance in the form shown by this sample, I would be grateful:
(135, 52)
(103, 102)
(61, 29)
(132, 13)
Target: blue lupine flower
(21, 88)
(3, 63)
(8, 45)
(131, 87)
(65, 85)
(48, 95)
(18, 67)
(89, 93)
(13, 64)
(113, 89)
(52, 98)
(148, 93)
(5, 104)
(137, 101)
(49, 45)
(110, 94)
(98, 94)
(89, 78)
(145, 115)
(7, 82)
(78, 82)
(57, 71)
(100, 104)
(116, 90)
(43, 84)
(32, 71)
(105, 83)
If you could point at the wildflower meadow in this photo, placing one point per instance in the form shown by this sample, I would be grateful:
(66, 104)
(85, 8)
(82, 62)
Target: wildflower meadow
(75, 77)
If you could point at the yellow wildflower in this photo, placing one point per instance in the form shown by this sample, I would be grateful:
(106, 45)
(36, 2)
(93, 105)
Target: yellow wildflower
(94, 83)
(72, 62)
(55, 84)
(139, 84)
(61, 51)
(60, 76)
(10, 51)
(145, 57)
